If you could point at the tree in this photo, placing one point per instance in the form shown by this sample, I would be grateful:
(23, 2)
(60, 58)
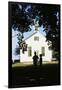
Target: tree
(17, 51)
(20, 21)
(23, 15)
(49, 18)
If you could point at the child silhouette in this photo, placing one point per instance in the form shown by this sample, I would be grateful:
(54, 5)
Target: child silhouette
(35, 59)
(40, 60)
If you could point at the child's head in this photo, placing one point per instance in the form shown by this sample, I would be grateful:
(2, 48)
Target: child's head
(34, 53)
(40, 55)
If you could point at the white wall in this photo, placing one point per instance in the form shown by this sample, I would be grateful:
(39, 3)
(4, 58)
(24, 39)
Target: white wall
(36, 45)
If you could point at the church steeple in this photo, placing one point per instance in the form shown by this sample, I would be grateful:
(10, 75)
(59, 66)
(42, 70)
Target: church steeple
(36, 24)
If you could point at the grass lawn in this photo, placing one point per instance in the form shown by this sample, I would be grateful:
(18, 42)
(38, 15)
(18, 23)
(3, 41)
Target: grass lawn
(25, 75)
(21, 64)
(24, 64)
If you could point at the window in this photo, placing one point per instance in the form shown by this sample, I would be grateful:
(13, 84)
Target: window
(43, 51)
(29, 51)
(36, 38)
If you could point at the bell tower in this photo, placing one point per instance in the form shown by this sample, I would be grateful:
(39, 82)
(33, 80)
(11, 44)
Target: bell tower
(36, 24)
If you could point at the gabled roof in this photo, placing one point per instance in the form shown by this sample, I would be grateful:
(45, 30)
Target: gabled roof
(32, 35)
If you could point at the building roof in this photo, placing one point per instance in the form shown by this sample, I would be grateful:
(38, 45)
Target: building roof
(32, 35)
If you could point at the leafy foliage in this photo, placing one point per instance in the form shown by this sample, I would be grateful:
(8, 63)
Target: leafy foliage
(23, 15)
(17, 51)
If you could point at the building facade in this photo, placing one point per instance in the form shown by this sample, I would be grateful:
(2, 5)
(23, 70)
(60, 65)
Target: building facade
(36, 43)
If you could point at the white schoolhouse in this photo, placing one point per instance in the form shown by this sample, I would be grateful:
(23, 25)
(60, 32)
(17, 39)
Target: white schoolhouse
(36, 43)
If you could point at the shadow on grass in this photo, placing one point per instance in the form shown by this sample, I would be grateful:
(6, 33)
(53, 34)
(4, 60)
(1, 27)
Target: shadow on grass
(35, 76)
